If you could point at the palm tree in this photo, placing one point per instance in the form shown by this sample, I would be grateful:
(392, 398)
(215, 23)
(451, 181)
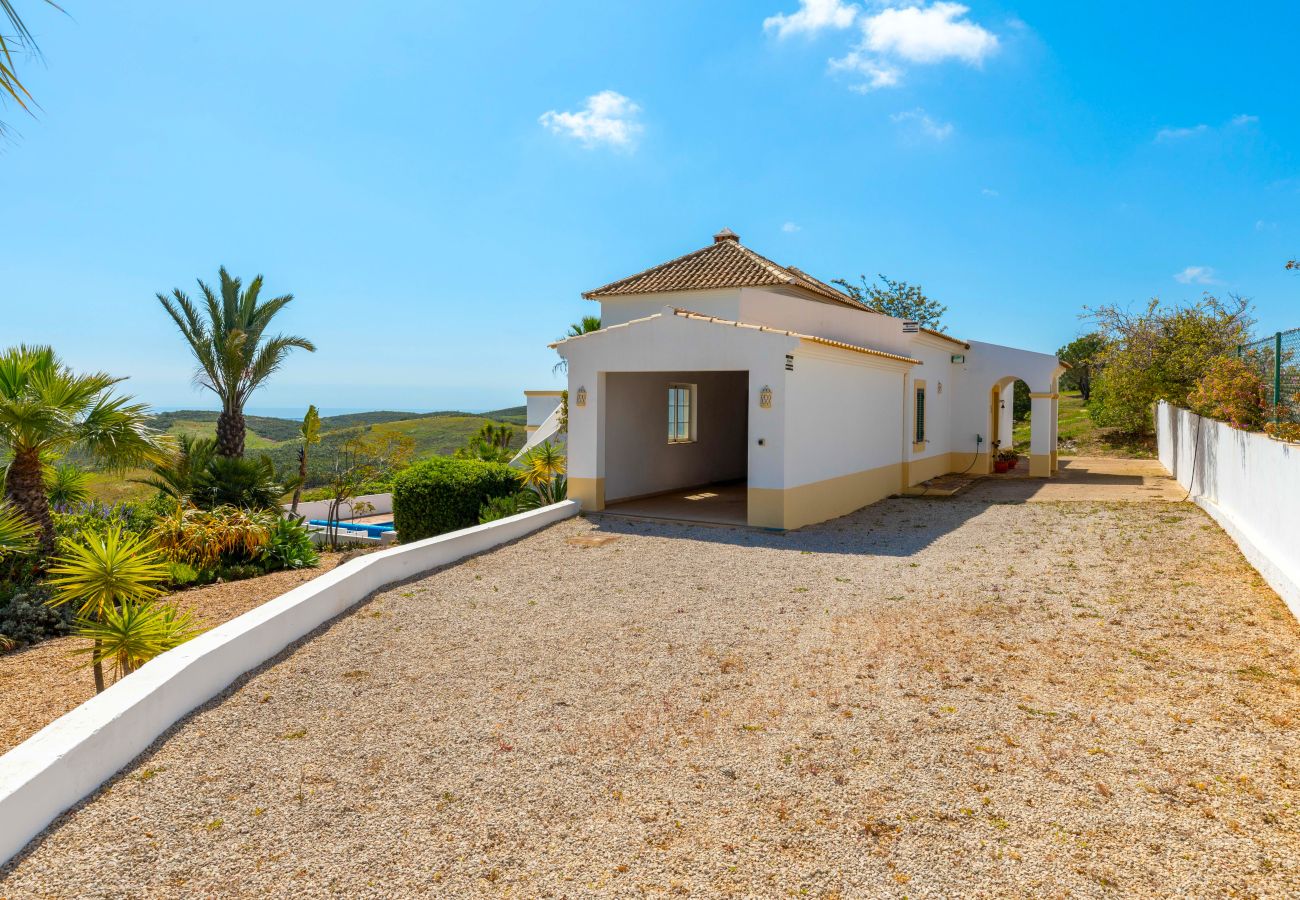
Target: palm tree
(20, 39)
(176, 474)
(585, 325)
(227, 338)
(46, 410)
(17, 534)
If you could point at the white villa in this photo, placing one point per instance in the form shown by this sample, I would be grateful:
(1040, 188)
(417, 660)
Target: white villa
(727, 380)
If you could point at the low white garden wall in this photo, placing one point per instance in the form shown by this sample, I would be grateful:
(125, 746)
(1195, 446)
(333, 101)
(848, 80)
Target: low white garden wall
(1248, 482)
(72, 756)
(319, 509)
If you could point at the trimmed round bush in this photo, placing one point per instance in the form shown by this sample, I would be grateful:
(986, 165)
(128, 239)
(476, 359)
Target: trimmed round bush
(443, 494)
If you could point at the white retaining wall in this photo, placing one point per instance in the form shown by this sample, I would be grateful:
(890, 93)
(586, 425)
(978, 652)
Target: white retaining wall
(319, 509)
(71, 757)
(1248, 482)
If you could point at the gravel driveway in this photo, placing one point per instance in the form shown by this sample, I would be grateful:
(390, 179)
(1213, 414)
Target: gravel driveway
(927, 698)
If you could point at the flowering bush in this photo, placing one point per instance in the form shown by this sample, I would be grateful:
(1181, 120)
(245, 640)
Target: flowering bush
(1231, 392)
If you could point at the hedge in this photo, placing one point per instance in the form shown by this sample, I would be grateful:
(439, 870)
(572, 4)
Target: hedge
(443, 494)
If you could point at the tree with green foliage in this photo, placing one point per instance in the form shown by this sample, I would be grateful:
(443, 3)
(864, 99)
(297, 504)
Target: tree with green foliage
(1231, 391)
(359, 461)
(491, 444)
(1158, 353)
(898, 299)
(228, 338)
(1082, 354)
(174, 475)
(47, 410)
(310, 435)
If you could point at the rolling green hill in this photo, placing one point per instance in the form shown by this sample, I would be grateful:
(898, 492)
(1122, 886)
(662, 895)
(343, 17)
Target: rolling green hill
(435, 434)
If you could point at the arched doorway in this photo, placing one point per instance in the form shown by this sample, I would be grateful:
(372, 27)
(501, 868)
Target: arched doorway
(1013, 404)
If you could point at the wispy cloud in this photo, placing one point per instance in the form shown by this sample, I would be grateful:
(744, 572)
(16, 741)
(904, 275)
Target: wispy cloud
(811, 17)
(1165, 135)
(924, 123)
(1196, 275)
(607, 118)
(790, 228)
(1177, 134)
(989, 192)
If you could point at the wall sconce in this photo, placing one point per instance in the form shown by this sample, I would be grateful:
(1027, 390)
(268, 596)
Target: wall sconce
(580, 398)
(765, 397)
(940, 391)
(1002, 404)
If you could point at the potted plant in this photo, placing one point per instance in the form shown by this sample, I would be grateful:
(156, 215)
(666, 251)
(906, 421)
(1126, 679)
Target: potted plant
(1011, 457)
(1005, 460)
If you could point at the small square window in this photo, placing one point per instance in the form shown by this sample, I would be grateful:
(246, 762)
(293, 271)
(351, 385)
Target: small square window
(681, 413)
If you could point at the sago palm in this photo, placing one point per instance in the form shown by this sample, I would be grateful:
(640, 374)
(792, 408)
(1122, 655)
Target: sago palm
(104, 572)
(46, 410)
(176, 474)
(227, 335)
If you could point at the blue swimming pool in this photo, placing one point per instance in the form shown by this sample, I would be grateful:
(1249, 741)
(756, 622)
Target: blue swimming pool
(377, 529)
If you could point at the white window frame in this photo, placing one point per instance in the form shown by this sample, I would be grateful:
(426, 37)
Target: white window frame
(676, 435)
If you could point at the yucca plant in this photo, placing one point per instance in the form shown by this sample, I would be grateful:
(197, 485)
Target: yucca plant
(310, 433)
(66, 485)
(17, 533)
(134, 632)
(103, 573)
(543, 469)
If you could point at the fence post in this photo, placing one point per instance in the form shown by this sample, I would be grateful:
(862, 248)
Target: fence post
(1277, 378)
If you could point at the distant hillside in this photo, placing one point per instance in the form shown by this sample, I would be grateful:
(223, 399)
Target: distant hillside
(438, 433)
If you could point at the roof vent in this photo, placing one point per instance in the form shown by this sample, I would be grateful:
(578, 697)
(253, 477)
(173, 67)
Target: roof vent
(726, 234)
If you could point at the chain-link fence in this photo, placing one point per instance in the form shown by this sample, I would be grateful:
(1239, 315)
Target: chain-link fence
(1277, 359)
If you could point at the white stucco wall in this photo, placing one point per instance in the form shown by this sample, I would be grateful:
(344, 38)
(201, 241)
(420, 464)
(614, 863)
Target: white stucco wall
(985, 366)
(843, 415)
(1248, 482)
(639, 458)
(540, 404)
(319, 509)
(672, 343)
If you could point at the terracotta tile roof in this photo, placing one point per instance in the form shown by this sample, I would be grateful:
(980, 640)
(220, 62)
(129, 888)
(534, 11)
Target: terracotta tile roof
(726, 263)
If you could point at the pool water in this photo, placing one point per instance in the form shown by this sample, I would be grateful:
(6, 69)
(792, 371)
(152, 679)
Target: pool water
(374, 530)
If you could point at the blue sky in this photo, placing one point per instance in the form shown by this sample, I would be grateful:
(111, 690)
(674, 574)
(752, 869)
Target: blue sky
(437, 183)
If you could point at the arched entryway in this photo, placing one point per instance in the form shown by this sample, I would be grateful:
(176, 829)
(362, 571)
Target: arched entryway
(1042, 416)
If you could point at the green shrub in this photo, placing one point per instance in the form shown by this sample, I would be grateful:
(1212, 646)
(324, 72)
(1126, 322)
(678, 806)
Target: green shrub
(289, 547)
(183, 574)
(1230, 391)
(26, 619)
(440, 495)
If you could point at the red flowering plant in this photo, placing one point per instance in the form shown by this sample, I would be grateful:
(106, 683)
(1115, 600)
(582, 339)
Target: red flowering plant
(1231, 392)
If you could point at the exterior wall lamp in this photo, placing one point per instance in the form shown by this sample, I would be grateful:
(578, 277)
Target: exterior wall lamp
(580, 398)
(765, 397)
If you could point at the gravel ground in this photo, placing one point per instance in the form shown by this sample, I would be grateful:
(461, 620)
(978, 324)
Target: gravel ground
(929, 698)
(42, 682)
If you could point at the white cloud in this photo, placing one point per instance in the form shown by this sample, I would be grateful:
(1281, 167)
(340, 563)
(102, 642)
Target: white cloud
(607, 118)
(1165, 135)
(989, 192)
(1196, 275)
(811, 17)
(1177, 134)
(1262, 225)
(789, 227)
(878, 74)
(897, 36)
(928, 126)
(930, 34)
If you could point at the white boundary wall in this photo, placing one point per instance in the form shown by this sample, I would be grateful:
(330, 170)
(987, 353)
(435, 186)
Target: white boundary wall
(71, 757)
(319, 509)
(1249, 483)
